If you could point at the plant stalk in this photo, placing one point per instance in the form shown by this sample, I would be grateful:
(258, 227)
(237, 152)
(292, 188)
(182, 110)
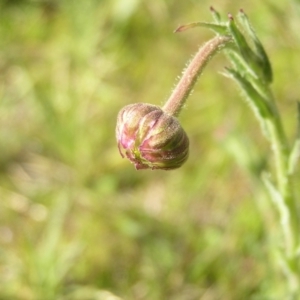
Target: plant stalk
(289, 213)
(190, 75)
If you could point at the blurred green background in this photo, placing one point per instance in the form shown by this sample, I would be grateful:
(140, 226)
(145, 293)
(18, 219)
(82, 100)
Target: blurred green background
(79, 222)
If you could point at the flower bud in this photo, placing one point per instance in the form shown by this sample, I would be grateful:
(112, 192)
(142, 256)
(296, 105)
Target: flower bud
(150, 138)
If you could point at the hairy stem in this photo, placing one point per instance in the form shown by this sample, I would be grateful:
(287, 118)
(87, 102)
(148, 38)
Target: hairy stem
(184, 87)
(281, 151)
(289, 213)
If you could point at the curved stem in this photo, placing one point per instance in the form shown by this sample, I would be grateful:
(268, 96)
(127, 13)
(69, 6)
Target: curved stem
(190, 75)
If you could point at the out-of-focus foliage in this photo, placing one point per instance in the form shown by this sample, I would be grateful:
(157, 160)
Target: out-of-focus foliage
(77, 221)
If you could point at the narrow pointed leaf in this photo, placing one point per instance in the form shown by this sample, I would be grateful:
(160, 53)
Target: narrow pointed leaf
(258, 103)
(278, 200)
(218, 28)
(245, 50)
(260, 51)
(240, 40)
(216, 15)
(239, 64)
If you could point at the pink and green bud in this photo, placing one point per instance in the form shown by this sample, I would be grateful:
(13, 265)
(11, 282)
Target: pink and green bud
(150, 138)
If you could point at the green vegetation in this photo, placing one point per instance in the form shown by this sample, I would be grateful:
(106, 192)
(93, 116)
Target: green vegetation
(79, 222)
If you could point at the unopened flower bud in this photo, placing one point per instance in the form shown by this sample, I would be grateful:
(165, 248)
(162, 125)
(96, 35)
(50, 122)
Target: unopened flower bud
(150, 138)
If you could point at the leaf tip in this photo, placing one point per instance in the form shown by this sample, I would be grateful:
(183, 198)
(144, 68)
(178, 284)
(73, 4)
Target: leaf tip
(179, 29)
(230, 17)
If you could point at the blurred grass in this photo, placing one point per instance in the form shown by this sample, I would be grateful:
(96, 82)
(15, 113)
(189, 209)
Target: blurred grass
(77, 221)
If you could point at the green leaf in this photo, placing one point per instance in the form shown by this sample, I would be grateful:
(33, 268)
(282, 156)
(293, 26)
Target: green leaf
(278, 200)
(240, 65)
(216, 15)
(256, 101)
(260, 51)
(218, 28)
(255, 61)
(241, 42)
